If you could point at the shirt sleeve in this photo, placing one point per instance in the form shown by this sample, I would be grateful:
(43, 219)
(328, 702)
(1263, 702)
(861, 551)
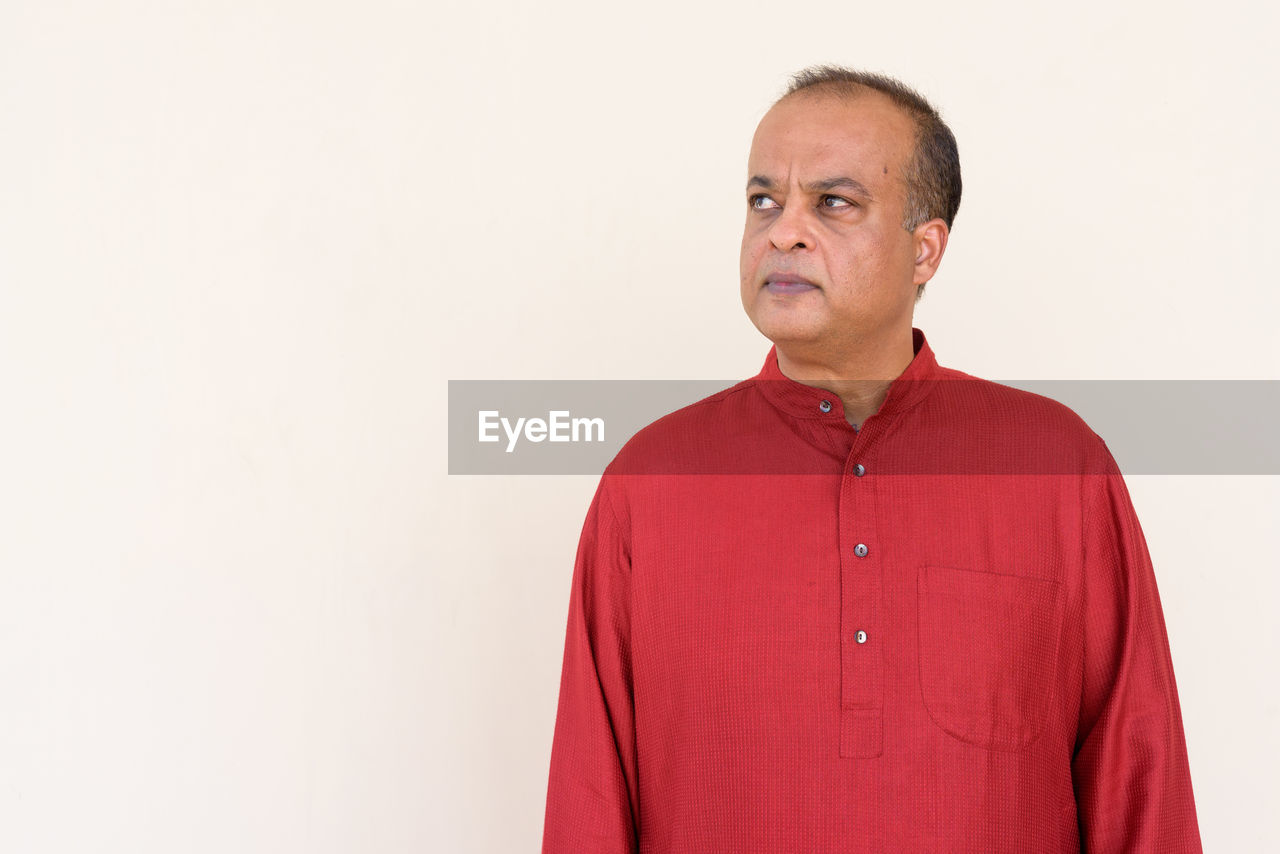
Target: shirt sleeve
(1130, 771)
(592, 797)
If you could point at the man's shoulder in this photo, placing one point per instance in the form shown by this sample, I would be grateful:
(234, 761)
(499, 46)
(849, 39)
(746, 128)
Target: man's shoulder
(1005, 417)
(669, 443)
(1005, 403)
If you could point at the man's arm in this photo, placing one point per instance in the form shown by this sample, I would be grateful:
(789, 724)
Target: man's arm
(592, 798)
(1131, 776)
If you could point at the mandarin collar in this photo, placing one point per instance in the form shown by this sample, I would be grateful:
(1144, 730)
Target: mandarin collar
(804, 401)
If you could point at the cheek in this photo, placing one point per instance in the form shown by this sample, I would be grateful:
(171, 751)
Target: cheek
(887, 256)
(863, 275)
(748, 258)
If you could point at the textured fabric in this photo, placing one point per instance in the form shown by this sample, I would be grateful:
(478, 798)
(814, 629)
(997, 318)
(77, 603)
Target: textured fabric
(939, 632)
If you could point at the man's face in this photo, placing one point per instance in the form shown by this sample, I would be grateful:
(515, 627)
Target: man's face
(825, 259)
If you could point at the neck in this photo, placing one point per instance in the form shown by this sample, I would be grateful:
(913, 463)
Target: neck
(859, 372)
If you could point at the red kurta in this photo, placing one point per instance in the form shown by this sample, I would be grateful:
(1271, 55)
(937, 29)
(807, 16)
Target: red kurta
(939, 632)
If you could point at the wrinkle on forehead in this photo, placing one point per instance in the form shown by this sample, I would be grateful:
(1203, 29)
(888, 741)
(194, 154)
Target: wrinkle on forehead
(817, 130)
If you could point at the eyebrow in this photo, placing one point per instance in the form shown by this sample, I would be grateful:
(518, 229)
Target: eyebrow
(839, 182)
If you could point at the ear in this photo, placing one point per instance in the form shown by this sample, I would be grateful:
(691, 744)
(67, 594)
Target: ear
(930, 241)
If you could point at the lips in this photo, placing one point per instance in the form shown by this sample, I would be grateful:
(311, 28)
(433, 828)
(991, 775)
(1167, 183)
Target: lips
(788, 283)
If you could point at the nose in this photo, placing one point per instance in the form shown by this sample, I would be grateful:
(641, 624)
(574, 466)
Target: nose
(792, 228)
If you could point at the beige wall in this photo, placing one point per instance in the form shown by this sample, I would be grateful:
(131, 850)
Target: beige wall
(243, 246)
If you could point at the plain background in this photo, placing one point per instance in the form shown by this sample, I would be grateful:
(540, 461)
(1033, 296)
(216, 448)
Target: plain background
(243, 246)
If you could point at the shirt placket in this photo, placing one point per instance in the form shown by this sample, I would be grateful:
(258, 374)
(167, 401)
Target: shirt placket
(861, 579)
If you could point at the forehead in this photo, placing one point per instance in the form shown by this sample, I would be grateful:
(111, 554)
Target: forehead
(809, 134)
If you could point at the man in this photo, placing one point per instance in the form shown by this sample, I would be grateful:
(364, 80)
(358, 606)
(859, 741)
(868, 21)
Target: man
(862, 602)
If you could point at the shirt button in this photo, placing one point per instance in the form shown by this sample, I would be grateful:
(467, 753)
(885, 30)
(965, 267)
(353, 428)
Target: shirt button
(860, 550)
(861, 636)
(859, 470)
(825, 406)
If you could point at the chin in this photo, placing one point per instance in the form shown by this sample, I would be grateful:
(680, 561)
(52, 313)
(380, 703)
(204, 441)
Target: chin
(788, 330)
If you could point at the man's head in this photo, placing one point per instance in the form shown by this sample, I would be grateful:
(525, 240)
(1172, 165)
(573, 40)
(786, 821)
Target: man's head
(933, 175)
(853, 184)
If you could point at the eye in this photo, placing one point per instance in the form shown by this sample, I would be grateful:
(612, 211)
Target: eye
(842, 202)
(753, 202)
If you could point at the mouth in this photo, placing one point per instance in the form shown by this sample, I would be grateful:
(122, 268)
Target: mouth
(788, 283)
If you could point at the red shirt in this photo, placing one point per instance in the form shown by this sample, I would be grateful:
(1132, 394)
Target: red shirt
(939, 632)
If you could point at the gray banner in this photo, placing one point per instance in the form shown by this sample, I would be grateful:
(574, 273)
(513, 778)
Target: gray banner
(577, 426)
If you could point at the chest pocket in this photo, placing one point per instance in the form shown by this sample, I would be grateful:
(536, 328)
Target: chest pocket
(988, 651)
